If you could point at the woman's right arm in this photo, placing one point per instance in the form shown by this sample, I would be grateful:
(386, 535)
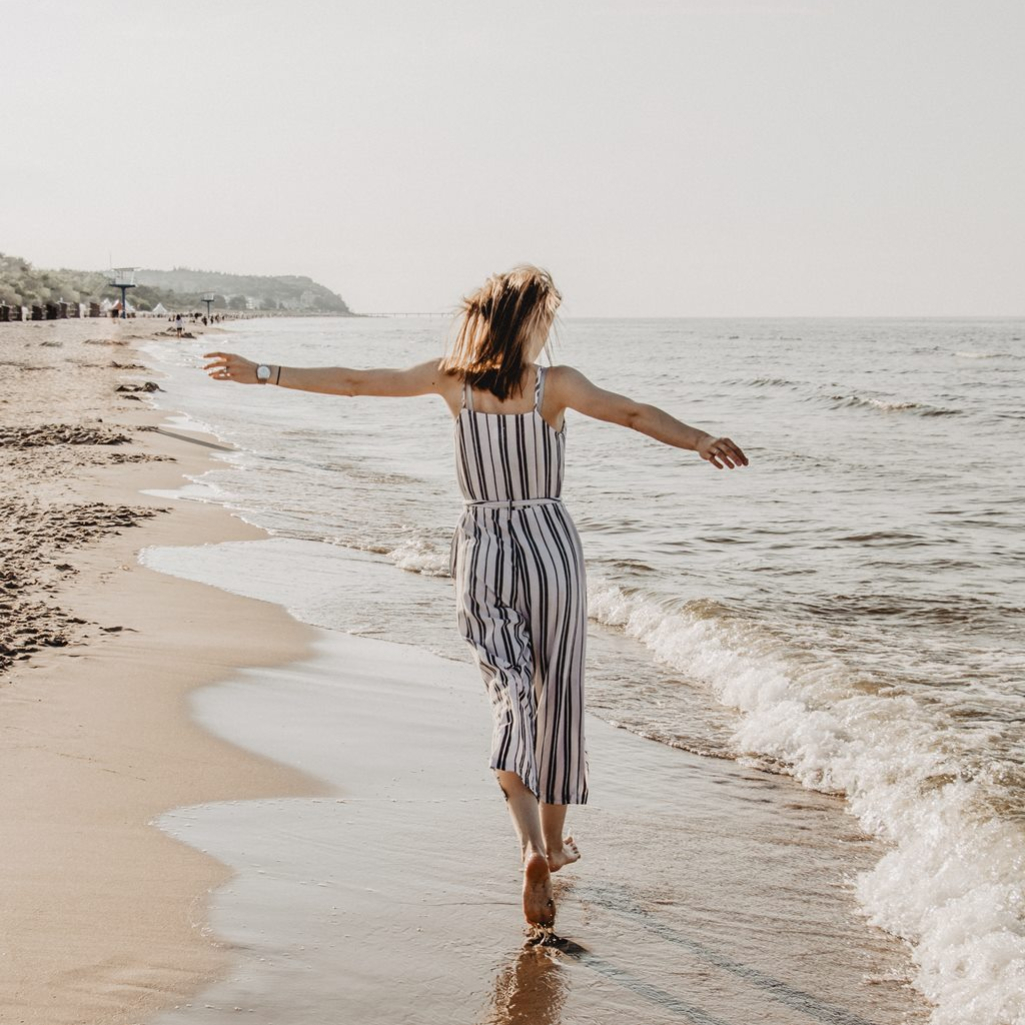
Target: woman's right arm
(571, 389)
(423, 379)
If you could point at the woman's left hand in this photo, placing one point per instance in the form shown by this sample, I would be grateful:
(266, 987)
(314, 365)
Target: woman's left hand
(230, 367)
(716, 449)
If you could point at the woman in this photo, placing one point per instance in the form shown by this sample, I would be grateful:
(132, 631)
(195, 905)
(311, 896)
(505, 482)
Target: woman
(517, 563)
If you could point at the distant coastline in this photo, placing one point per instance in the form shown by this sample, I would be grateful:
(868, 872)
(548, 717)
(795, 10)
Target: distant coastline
(180, 290)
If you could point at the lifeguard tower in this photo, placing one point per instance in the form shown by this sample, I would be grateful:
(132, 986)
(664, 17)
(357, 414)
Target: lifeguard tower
(123, 278)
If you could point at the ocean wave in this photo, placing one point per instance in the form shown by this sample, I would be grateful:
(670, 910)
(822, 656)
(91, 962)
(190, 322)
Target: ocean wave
(952, 884)
(891, 538)
(989, 355)
(912, 610)
(856, 401)
(767, 382)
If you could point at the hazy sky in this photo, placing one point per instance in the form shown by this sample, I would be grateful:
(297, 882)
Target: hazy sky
(725, 157)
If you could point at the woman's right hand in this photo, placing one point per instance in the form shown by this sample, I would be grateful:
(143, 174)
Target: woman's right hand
(715, 449)
(231, 367)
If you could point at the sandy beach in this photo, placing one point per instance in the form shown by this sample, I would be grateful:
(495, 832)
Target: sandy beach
(212, 808)
(103, 913)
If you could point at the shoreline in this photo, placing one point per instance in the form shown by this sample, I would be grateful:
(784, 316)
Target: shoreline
(105, 913)
(225, 772)
(704, 885)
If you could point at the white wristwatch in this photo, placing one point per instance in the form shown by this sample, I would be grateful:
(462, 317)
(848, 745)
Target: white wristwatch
(263, 373)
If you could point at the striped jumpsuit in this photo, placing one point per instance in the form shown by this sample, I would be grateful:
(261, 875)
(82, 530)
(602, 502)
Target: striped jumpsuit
(518, 569)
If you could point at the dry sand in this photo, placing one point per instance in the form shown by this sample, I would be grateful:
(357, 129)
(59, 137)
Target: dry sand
(103, 913)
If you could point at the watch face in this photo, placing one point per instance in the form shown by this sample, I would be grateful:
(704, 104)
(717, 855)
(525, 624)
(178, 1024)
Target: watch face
(263, 373)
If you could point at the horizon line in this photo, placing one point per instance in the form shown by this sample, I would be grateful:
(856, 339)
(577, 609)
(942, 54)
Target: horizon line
(730, 316)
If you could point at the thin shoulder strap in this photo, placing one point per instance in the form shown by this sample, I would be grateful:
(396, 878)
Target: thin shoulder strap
(539, 388)
(467, 396)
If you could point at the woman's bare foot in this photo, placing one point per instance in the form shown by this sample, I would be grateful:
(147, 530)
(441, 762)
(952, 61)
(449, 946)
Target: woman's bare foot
(565, 855)
(538, 905)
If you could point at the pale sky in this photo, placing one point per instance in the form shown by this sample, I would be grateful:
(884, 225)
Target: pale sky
(659, 157)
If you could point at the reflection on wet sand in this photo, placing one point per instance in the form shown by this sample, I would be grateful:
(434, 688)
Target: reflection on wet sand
(531, 990)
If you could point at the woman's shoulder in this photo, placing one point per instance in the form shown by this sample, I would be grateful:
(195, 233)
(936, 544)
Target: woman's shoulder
(561, 375)
(447, 382)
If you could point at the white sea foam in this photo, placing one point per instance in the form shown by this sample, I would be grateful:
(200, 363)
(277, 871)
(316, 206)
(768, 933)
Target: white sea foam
(417, 555)
(952, 884)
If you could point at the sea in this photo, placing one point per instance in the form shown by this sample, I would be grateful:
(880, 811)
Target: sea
(847, 610)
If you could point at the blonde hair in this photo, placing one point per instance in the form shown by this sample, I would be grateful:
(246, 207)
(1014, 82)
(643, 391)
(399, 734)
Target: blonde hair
(496, 324)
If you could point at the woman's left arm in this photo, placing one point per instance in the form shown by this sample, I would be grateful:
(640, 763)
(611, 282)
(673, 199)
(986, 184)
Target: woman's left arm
(573, 390)
(423, 379)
